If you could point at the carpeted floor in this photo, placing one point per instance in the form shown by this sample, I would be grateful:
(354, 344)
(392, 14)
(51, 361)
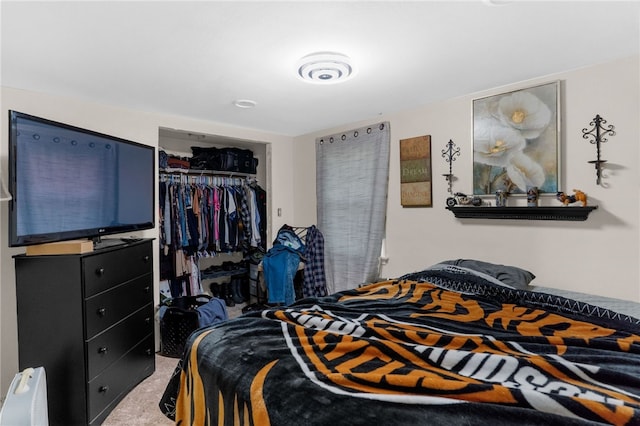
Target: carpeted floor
(140, 406)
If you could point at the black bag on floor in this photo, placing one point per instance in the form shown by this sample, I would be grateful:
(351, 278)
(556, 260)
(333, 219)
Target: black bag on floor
(178, 319)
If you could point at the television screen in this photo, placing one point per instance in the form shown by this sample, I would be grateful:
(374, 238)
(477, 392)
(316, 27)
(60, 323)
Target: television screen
(71, 183)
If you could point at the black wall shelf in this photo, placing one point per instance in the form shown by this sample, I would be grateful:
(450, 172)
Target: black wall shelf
(524, 213)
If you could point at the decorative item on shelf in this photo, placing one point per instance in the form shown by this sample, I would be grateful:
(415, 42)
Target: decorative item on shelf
(532, 196)
(449, 154)
(578, 196)
(463, 200)
(501, 198)
(598, 133)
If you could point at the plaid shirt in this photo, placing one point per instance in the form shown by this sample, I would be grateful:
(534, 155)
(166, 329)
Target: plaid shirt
(315, 280)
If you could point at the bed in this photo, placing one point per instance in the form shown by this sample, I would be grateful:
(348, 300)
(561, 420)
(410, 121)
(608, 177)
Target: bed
(461, 342)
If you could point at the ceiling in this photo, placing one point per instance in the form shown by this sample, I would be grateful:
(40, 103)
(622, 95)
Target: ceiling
(195, 59)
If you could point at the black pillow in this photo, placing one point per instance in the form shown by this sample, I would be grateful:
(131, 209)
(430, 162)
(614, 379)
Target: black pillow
(510, 275)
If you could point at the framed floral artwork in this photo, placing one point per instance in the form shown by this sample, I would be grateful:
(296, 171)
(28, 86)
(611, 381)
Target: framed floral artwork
(516, 141)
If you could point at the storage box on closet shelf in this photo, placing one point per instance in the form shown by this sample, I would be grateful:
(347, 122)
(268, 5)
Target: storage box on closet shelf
(210, 161)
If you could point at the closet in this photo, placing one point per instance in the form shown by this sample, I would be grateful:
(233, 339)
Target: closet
(212, 222)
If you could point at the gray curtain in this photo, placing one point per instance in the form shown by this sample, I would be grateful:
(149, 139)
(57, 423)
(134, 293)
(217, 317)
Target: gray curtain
(352, 175)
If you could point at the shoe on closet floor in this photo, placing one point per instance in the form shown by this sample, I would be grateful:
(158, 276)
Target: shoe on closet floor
(227, 295)
(216, 290)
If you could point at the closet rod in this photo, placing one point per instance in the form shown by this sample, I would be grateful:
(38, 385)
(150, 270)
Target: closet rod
(207, 179)
(205, 172)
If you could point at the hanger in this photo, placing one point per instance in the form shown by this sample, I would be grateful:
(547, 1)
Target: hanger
(300, 231)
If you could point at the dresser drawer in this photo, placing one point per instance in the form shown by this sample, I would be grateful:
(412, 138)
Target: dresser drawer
(103, 271)
(108, 388)
(105, 309)
(109, 346)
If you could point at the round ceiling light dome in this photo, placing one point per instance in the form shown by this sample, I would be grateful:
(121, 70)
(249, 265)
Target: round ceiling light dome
(325, 67)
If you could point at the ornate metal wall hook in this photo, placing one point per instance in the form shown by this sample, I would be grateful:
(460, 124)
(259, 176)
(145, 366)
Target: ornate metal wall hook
(449, 154)
(598, 133)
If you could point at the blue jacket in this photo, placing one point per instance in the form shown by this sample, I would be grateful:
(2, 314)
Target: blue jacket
(279, 266)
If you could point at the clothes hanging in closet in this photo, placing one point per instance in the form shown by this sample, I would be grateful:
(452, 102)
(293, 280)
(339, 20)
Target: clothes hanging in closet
(208, 215)
(216, 218)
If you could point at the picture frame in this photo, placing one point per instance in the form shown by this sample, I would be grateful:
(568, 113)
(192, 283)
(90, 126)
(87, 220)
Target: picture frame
(415, 172)
(516, 141)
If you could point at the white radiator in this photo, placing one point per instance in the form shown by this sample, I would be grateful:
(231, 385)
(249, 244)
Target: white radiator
(26, 402)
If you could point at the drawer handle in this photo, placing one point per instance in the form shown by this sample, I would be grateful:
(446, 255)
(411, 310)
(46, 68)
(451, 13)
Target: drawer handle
(103, 350)
(100, 272)
(145, 259)
(149, 352)
(103, 389)
(147, 320)
(147, 289)
(102, 312)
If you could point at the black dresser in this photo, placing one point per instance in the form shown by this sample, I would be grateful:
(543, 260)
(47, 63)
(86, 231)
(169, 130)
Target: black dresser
(88, 320)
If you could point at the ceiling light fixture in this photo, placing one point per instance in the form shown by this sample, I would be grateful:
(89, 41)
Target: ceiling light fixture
(325, 67)
(245, 103)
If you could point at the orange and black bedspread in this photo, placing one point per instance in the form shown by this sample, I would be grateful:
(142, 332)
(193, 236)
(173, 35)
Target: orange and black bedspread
(407, 353)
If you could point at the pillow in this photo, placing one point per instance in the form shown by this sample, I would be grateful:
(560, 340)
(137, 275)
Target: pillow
(510, 275)
(462, 270)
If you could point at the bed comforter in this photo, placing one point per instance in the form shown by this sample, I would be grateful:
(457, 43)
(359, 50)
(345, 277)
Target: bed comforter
(431, 348)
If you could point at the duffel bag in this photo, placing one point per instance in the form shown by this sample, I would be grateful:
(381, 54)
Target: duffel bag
(209, 158)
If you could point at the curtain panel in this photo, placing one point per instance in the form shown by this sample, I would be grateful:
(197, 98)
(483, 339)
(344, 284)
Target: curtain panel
(352, 176)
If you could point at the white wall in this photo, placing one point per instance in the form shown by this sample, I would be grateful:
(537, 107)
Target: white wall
(598, 256)
(128, 124)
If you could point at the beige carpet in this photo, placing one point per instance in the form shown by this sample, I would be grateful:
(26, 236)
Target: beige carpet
(140, 406)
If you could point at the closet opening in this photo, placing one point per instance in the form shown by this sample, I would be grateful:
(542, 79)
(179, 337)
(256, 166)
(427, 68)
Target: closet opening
(217, 265)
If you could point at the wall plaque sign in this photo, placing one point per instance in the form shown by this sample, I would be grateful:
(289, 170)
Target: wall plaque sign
(415, 172)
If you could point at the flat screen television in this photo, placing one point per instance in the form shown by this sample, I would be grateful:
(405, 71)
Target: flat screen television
(71, 183)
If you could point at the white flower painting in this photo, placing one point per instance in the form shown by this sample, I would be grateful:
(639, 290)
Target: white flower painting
(516, 141)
